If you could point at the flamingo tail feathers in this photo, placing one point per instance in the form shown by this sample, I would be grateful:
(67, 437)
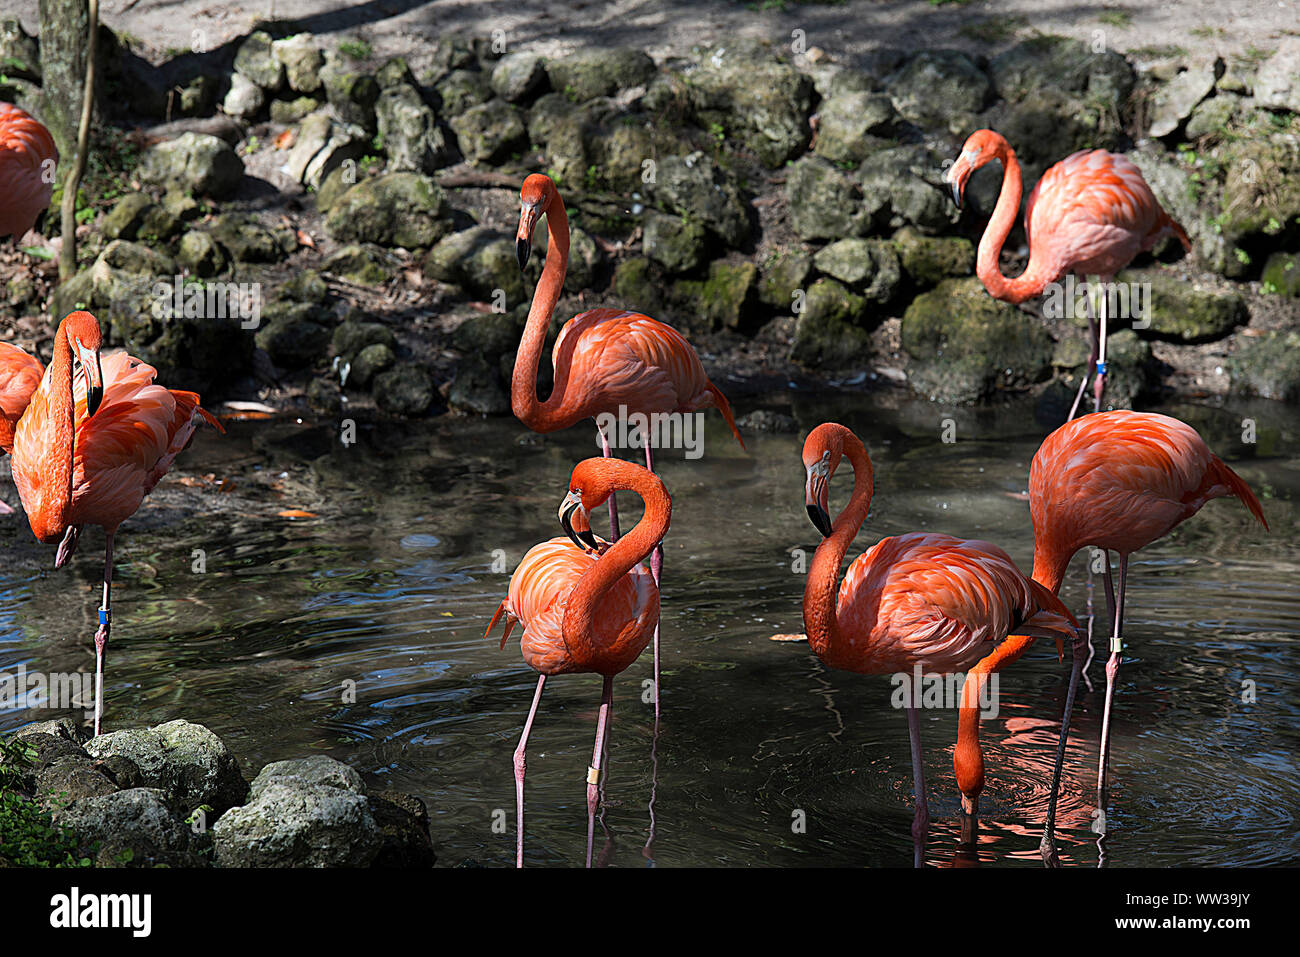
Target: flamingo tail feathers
(1239, 488)
(724, 407)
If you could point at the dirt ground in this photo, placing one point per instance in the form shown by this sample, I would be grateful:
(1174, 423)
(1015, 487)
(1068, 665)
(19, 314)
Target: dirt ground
(664, 27)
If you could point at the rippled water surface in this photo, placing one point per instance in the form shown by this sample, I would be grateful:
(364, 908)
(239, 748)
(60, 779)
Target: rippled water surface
(389, 583)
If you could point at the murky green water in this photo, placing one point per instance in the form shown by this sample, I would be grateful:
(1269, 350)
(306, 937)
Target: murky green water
(390, 586)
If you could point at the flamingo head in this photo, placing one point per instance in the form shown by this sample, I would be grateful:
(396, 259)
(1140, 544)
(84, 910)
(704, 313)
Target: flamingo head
(534, 198)
(980, 147)
(86, 339)
(822, 451)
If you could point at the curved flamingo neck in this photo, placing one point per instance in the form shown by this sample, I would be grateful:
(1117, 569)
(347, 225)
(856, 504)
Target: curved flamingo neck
(543, 416)
(820, 591)
(1051, 559)
(1038, 273)
(578, 628)
(56, 462)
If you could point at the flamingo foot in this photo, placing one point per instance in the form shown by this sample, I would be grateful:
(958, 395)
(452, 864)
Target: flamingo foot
(970, 824)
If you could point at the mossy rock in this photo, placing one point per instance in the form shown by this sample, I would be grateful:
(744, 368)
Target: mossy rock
(868, 266)
(396, 209)
(352, 336)
(460, 90)
(195, 163)
(587, 74)
(1268, 365)
(351, 93)
(490, 132)
(825, 202)
(585, 260)
(256, 60)
(783, 275)
(293, 111)
(852, 125)
(477, 388)
(290, 337)
(638, 284)
(369, 362)
(482, 260)
(725, 299)
(1185, 312)
(491, 336)
(748, 92)
(828, 333)
(124, 220)
(675, 242)
(928, 260)
(247, 240)
(963, 345)
(1281, 276)
(695, 186)
(136, 258)
(200, 254)
(1047, 62)
(363, 263)
(405, 390)
(936, 84)
(1260, 205)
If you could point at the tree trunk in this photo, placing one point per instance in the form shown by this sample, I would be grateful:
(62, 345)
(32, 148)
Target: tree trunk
(64, 33)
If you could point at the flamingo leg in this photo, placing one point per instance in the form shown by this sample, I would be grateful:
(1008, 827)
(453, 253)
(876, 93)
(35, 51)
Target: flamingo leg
(521, 765)
(921, 820)
(101, 634)
(1112, 672)
(1099, 385)
(1087, 369)
(656, 570)
(1048, 848)
(613, 504)
(5, 509)
(593, 773)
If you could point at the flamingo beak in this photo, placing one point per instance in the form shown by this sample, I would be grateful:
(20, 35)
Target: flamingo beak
(575, 522)
(955, 186)
(528, 215)
(94, 376)
(818, 493)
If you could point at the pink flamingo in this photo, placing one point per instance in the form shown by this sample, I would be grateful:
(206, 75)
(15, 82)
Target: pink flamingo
(87, 452)
(587, 606)
(1090, 214)
(20, 374)
(27, 160)
(920, 599)
(1117, 481)
(606, 361)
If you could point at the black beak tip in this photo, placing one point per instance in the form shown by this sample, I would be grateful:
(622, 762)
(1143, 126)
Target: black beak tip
(93, 398)
(820, 519)
(523, 249)
(956, 194)
(589, 539)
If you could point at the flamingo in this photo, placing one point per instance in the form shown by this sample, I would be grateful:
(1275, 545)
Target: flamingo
(1090, 214)
(587, 606)
(920, 599)
(87, 451)
(606, 361)
(19, 376)
(27, 158)
(1116, 481)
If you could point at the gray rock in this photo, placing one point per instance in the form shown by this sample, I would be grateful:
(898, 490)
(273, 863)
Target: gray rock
(135, 258)
(587, 74)
(1277, 84)
(1268, 365)
(852, 125)
(364, 263)
(828, 333)
(405, 390)
(1174, 101)
(302, 61)
(291, 339)
(1213, 115)
(903, 185)
(199, 254)
(675, 242)
(256, 60)
(1069, 66)
(69, 779)
(194, 162)
(19, 54)
(869, 266)
(783, 275)
(585, 260)
(351, 337)
(766, 420)
(133, 828)
(938, 85)
(351, 93)
(323, 146)
(490, 132)
(403, 823)
(248, 240)
(824, 201)
(462, 89)
(724, 299)
(519, 76)
(694, 186)
(1186, 312)
(927, 260)
(289, 112)
(409, 131)
(369, 362)
(482, 260)
(186, 761)
(63, 728)
(245, 98)
(317, 770)
(125, 218)
(396, 209)
(1281, 275)
(296, 824)
(477, 388)
(395, 72)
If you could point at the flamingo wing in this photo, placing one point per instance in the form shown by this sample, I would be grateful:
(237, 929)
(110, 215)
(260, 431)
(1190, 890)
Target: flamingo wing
(27, 154)
(539, 595)
(128, 445)
(1095, 212)
(1122, 479)
(20, 374)
(937, 601)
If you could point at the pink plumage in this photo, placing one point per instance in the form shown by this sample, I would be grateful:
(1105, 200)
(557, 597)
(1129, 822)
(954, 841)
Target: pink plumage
(27, 160)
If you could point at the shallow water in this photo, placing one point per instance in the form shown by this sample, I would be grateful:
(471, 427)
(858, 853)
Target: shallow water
(390, 586)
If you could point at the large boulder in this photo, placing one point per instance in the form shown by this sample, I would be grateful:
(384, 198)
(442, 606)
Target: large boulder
(694, 186)
(490, 132)
(185, 761)
(132, 828)
(396, 209)
(480, 259)
(1268, 365)
(1277, 84)
(939, 88)
(868, 266)
(723, 299)
(1186, 312)
(587, 74)
(964, 345)
(323, 146)
(409, 131)
(829, 333)
(852, 125)
(194, 162)
(824, 201)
